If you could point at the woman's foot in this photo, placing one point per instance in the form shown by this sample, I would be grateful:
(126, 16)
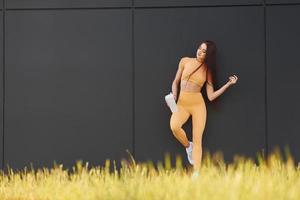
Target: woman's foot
(189, 151)
(195, 175)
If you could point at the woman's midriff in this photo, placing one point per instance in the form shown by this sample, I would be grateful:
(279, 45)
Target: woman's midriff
(189, 86)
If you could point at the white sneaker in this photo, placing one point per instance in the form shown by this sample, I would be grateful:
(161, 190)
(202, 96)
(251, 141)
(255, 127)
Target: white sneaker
(189, 151)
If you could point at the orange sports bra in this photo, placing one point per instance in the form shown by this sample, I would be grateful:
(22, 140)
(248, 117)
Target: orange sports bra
(198, 77)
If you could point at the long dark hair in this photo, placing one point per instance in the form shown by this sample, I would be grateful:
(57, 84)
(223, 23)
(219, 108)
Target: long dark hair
(210, 61)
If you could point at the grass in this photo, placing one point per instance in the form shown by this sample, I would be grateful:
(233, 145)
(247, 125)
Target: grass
(243, 179)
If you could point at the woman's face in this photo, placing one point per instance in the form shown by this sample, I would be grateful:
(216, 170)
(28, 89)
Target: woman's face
(201, 51)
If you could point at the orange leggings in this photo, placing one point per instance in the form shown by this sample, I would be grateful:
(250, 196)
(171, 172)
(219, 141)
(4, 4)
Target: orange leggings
(190, 103)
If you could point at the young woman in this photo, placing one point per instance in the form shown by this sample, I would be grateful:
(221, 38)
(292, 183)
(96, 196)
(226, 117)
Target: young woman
(192, 73)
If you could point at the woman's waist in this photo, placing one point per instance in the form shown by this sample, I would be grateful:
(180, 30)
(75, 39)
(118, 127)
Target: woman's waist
(190, 92)
(187, 97)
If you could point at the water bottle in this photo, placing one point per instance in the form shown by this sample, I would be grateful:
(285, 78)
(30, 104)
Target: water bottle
(170, 100)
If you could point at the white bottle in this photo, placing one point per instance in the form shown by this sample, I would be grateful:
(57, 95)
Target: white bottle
(170, 100)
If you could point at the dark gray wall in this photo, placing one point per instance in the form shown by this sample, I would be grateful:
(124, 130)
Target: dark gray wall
(77, 77)
(282, 1)
(283, 69)
(168, 3)
(67, 3)
(1, 87)
(68, 86)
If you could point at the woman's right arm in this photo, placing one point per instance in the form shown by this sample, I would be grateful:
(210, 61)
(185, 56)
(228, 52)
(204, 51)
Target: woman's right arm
(178, 76)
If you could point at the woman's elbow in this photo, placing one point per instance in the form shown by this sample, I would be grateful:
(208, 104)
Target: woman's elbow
(210, 97)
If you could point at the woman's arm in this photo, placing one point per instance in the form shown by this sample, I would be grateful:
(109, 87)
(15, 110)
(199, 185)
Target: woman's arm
(211, 94)
(178, 76)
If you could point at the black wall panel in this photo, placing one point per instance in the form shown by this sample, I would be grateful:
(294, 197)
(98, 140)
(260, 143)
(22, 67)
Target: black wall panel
(282, 1)
(283, 69)
(162, 37)
(1, 88)
(68, 86)
(66, 3)
(194, 2)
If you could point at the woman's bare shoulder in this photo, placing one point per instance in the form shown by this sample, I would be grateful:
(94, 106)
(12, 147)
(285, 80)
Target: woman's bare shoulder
(185, 59)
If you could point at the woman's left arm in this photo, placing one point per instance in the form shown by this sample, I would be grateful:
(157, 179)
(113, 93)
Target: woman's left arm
(211, 94)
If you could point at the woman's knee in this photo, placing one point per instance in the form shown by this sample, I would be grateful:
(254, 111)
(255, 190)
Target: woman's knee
(175, 126)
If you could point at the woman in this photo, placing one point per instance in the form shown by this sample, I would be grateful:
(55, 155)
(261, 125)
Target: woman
(192, 73)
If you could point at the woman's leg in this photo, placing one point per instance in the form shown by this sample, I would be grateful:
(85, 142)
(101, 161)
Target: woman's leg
(198, 121)
(178, 118)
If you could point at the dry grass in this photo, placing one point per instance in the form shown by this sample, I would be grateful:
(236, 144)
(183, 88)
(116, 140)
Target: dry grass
(243, 179)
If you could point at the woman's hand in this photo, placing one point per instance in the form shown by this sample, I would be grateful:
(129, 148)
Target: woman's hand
(175, 97)
(232, 80)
